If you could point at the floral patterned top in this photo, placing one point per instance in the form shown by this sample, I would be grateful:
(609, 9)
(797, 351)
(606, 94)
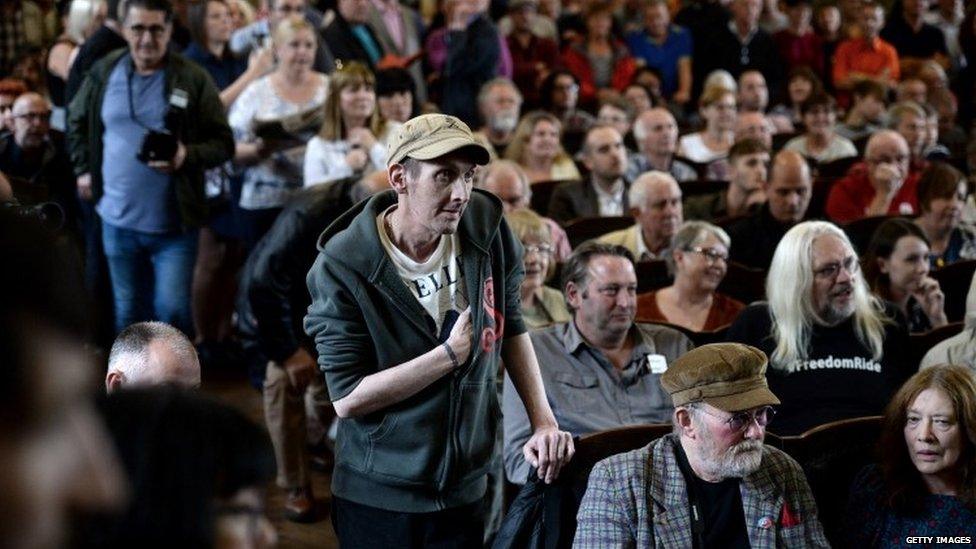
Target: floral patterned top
(871, 523)
(271, 182)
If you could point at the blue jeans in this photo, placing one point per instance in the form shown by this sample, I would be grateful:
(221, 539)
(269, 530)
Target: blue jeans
(151, 276)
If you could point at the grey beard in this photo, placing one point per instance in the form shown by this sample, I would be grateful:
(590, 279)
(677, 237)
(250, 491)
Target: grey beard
(741, 460)
(503, 122)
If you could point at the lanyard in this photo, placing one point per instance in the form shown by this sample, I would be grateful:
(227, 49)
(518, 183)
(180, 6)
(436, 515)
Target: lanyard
(130, 70)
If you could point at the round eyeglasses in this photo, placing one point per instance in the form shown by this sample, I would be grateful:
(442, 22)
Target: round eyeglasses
(740, 421)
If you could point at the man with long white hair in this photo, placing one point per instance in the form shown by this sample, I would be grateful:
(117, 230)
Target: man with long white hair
(835, 351)
(712, 482)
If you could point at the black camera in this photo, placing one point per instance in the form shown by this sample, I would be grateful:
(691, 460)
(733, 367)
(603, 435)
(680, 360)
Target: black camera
(161, 145)
(48, 214)
(157, 146)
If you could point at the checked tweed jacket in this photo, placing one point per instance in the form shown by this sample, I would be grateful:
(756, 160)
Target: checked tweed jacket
(639, 499)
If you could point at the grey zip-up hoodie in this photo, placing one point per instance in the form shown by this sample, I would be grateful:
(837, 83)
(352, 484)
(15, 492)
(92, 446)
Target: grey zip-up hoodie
(431, 451)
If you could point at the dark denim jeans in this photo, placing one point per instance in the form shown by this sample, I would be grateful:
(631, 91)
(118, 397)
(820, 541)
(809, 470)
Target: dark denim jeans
(151, 276)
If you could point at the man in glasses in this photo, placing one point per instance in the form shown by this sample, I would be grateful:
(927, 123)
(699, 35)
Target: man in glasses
(602, 369)
(883, 184)
(35, 159)
(142, 130)
(835, 351)
(711, 482)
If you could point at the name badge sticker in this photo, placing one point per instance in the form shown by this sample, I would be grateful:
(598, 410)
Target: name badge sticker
(179, 99)
(657, 363)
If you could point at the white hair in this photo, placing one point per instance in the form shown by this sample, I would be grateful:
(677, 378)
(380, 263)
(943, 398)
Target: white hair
(637, 195)
(501, 165)
(130, 351)
(721, 78)
(80, 16)
(789, 292)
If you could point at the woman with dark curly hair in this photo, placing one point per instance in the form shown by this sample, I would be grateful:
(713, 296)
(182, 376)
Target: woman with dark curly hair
(925, 484)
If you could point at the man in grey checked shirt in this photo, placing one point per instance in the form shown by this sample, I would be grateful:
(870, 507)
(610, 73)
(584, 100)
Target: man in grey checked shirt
(712, 482)
(602, 369)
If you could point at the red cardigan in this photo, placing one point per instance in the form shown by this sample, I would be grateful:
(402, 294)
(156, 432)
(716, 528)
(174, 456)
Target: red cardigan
(575, 59)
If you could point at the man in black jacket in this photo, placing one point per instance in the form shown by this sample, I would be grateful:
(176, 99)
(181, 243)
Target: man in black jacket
(742, 45)
(34, 158)
(348, 36)
(272, 300)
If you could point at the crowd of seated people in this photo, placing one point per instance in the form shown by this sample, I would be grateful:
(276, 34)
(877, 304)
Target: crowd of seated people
(790, 176)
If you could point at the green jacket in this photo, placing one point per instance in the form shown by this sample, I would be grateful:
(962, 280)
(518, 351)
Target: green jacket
(431, 451)
(205, 133)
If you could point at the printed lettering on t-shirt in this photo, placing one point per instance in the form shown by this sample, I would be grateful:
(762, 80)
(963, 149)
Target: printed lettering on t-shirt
(847, 363)
(435, 282)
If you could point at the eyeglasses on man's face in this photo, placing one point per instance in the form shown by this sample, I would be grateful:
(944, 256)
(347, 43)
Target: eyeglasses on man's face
(154, 30)
(739, 421)
(34, 116)
(832, 270)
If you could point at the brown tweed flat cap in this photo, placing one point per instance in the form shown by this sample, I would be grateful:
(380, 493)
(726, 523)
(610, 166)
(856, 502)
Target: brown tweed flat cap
(729, 376)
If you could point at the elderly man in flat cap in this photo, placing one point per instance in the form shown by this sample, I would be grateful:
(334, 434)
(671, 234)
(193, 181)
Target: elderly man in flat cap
(712, 482)
(415, 302)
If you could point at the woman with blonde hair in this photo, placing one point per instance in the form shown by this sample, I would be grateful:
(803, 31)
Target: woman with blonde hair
(536, 146)
(80, 19)
(925, 484)
(273, 169)
(717, 108)
(352, 140)
(541, 305)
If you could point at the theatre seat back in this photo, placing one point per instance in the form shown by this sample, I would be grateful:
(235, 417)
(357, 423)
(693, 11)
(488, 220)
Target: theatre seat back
(831, 456)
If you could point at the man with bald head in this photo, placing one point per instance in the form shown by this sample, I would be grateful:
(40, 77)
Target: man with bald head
(509, 182)
(656, 133)
(655, 200)
(604, 193)
(754, 125)
(152, 353)
(883, 184)
(753, 95)
(34, 157)
(754, 238)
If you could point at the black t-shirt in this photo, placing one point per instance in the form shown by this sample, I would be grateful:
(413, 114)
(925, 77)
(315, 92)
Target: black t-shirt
(720, 506)
(925, 43)
(754, 239)
(839, 379)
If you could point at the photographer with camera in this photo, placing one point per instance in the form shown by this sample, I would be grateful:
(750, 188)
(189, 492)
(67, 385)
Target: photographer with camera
(142, 129)
(34, 159)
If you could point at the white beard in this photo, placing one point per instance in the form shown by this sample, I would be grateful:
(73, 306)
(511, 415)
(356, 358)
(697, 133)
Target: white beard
(739, 461)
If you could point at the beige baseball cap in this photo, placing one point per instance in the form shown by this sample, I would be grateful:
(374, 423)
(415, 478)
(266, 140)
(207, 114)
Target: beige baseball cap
(430, 136)
(729, 376)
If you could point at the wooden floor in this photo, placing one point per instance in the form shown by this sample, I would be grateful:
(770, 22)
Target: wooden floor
(238, 393)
